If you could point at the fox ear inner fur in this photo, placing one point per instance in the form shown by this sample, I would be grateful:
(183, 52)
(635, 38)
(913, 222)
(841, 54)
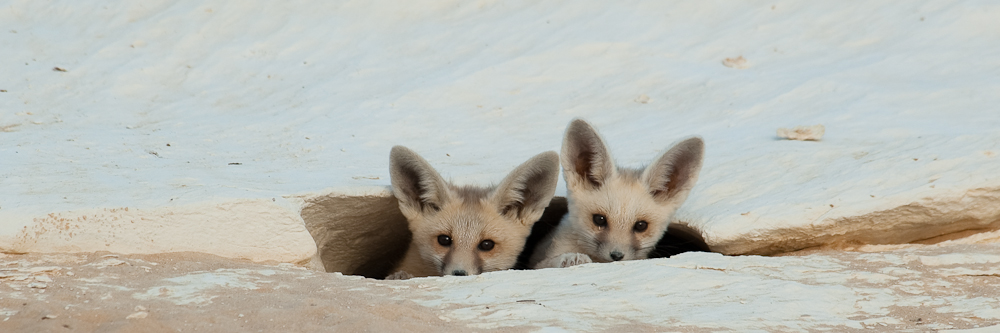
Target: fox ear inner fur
(585, 157)
(527, 190)
(675, 172)
(414, 182)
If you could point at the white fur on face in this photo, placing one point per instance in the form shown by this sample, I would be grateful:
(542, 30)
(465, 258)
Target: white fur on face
(468, 225)
(503, 215)
(624, 197)
(623, 202)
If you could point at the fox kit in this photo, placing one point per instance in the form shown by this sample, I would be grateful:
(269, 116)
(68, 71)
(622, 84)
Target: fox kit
(467, 230)
(615, 213)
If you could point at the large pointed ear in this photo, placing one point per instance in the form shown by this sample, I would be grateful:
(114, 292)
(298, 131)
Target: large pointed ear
(416, 185)
(672, 176)
(527, 190)
(585, 158)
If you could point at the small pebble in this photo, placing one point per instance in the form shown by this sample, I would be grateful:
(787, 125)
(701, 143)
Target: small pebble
(138, 315)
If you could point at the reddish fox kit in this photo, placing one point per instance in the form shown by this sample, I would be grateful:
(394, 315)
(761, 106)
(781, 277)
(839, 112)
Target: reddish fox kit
(467, 230)
(615, 213)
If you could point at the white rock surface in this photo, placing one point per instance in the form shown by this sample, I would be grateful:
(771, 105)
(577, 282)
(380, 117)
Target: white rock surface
(258, 230)
(889, 291)
(216, 110)
(698, 290)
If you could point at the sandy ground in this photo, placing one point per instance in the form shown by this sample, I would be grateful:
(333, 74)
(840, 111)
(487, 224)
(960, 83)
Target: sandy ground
(183, 292)
(107, 293)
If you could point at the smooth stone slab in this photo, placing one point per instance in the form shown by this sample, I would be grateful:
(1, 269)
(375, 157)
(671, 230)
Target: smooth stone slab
(929, 288)
(158, 105)
(258, 230)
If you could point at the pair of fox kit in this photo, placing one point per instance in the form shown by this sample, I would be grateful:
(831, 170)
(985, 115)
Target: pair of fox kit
(613, 214)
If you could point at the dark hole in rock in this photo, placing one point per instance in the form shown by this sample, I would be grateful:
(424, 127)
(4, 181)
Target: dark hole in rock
(368, 235)
(679, 239)
(357, 235)
(549, 220)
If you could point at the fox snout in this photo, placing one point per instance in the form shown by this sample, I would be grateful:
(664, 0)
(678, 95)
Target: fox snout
(608, 252)
(613, 255)
(461, 262)
(459, 270)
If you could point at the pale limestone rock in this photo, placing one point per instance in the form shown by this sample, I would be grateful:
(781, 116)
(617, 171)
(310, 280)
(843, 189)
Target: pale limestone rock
(838, 291)
(222, 136)
(258, 230)
(830, 290)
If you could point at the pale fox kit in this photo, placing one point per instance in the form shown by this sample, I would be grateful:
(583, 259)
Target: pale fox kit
(615, 213)
(467, 230)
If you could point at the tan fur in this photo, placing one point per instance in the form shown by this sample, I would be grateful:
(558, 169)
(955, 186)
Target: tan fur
(624, 196)
(469, 215)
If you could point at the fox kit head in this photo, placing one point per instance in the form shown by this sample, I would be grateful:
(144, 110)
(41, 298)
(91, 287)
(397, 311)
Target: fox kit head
(619, 213)
(470, 230)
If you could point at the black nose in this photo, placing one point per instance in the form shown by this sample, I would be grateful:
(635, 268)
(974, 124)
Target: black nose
(459, 272)
(617, 256)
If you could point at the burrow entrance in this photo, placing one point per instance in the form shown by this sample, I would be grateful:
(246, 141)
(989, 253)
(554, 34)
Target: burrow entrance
(368, 235)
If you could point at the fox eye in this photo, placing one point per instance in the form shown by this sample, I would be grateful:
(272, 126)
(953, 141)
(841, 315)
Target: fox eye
(640, 226)
(486, 245)
(600, 221)
(444, 240)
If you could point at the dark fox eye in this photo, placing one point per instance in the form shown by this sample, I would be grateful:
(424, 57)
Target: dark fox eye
(600, 221)
(640, 226)
(444, 240)
(486, 245)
